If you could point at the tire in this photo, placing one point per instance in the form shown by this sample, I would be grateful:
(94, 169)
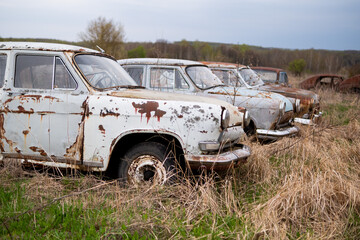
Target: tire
(147, 162)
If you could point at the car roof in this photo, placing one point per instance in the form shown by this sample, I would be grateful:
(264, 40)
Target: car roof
(223, 65)
(158, 61)
(42, 46)
(268, 69)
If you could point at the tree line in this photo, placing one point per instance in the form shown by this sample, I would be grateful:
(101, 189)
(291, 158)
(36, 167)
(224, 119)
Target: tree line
(103, 34)
(312, 60)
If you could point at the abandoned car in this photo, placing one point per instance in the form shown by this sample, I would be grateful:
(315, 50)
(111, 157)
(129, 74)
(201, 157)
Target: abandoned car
(72, 107)
(270, 113)
(305, 103)
(272, 75)
(322, 81)
(350, 85)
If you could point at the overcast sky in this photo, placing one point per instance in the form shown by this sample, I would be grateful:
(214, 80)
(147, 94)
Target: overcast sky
(293, 24)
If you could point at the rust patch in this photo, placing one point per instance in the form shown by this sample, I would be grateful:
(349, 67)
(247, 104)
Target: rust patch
(147, 108)
(26, 132)
(39, 150)
(75, 151)
(102, 129)
(2, 132)
(106, 112)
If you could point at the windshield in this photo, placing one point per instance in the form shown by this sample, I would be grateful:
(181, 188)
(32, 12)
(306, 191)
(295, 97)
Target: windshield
(103, 72)
(203, 77)
(228, 77)
(250, 77)
(267, 76)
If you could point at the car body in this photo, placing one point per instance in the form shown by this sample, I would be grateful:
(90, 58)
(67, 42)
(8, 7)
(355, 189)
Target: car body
(270, 113)
(72, 107)
(351, 84)
(305, 103)
(272, 75)
(330, 81)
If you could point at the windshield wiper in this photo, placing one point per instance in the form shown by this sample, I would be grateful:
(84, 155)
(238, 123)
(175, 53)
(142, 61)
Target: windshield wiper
(218, 85)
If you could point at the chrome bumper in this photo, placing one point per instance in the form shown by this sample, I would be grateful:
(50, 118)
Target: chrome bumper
(307, 121)
(276, 134)
(219, 162)
(228, 136)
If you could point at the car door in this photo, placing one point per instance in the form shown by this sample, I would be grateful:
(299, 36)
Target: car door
(41, 114)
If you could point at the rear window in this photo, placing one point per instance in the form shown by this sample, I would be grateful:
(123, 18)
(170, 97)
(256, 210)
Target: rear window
(267, 76)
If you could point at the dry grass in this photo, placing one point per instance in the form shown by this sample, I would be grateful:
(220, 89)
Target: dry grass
(306, 187)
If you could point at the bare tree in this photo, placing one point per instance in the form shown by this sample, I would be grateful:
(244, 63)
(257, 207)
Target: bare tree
(106, 34)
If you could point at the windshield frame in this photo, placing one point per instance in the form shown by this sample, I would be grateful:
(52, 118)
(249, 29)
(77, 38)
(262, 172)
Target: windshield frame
(203, 66)
(131, 84)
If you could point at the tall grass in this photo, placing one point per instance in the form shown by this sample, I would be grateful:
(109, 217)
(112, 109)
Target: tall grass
(307, 187)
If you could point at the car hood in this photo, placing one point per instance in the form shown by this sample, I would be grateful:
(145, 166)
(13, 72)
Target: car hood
(236, 117)
(251, 93)
(305, 96)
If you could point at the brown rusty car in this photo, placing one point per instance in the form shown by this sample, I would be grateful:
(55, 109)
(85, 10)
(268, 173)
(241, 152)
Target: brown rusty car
(351, 84)
(322, 81)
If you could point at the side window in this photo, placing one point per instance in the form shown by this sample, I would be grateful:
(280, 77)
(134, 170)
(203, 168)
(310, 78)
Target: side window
(63, 78)
(42, 72)
(283, 77)
(222, 75)
(136, 73)
(167, 78)
(34, 72)
(2, 69)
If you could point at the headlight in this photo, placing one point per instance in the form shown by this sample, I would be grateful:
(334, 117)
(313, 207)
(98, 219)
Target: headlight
(297, 105)
(225, 118)
(282, 106)
(246, 118)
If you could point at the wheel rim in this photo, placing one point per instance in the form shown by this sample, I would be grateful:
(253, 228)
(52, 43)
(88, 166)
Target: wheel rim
(147, 169)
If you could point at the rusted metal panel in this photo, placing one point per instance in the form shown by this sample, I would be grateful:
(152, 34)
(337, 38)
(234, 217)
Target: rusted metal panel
(351, 84)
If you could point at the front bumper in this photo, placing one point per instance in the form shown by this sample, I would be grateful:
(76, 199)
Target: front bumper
(228, 136)
(221, 161)
(276, 134)
(306, 120)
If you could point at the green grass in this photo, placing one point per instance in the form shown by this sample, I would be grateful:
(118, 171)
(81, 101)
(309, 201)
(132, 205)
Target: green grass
(254, 203)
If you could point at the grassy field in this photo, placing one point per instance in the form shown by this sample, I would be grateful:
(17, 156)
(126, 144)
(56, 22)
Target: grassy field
(307, 187)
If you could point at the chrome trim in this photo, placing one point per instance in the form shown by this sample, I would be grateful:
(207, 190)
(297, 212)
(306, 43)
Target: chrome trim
(276, 134)
(221, 160)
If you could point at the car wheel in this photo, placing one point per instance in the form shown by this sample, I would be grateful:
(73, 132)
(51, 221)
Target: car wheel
(148, 162)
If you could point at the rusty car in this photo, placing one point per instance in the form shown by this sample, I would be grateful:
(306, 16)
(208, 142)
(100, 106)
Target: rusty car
(71, 107)
(272, 75)
(305, 103)
(322, 81)
(271, 114)
(351, 84)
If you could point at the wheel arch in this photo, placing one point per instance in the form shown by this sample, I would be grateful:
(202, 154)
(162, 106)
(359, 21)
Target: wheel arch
(123, 142)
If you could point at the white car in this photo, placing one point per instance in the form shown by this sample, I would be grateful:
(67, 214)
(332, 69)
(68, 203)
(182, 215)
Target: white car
(271, 114)
(72, 107)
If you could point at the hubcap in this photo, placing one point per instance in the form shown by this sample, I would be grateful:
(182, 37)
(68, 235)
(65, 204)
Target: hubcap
(147, 169)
